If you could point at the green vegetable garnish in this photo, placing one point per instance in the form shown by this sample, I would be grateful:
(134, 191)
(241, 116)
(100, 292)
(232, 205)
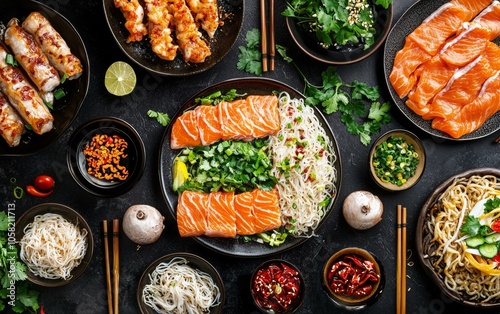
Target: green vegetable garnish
(59, 93)
(9, 59)
(395, 160)
(217, 97)
(161, 117)
(491, 204)
(249, 59)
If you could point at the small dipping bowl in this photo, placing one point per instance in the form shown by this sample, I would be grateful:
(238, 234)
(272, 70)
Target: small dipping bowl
(73, 217)
(350, 301)
(410, 138)
(134, 162)
(292, 289)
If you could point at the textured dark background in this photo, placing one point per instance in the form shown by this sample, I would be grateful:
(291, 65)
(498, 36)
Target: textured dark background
(87, 295)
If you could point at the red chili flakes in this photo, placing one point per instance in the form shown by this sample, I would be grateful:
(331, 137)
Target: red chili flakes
(104, 155)
(352, 276)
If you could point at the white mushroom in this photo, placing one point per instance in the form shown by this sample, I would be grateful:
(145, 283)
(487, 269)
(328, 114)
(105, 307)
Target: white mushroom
(143, 224)
(362, 210)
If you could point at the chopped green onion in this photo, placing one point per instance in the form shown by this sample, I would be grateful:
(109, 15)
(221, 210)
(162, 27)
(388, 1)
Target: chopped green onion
(18, 192)
(59, 93)
(49, 105)
(63, 78)
(28, 127)
(9, 59)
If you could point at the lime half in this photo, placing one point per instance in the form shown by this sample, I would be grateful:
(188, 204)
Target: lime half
(120, 78)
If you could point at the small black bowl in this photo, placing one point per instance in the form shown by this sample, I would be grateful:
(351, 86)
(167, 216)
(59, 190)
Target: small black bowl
(277, 288)
(135, 161)
(73, 217)
(308, 43)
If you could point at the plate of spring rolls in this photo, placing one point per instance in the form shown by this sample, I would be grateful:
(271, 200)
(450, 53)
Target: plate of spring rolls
(38, 100)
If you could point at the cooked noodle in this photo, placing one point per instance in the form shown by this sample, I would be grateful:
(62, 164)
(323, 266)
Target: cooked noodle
(303, 144)
(448, 254)
(52, 246)
(178, 288)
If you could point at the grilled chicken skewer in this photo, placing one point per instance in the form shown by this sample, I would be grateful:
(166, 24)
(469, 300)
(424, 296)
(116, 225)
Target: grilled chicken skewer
(159, 29)
(31, 57)
(53, 45)
(191, 43)
(134, 16)
(206, 13)
(11, 124)
(23, 96)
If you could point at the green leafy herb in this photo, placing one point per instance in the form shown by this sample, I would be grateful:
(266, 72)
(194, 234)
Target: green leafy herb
(161, 117)
(491, 204)
(473, 227)
(13, 270)
(217, 97)
(249, 59)
(228, 166)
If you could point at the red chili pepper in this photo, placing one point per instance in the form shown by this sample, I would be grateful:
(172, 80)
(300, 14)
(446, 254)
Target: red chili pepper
(31, 190)
(495, 226)
(41, 310)
(352, 276)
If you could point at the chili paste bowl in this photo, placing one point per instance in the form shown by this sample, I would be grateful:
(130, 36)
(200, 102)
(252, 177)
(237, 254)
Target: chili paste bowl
(277, 286)
(397, 168)
(339, 272)
(106, 157)
(307, 39)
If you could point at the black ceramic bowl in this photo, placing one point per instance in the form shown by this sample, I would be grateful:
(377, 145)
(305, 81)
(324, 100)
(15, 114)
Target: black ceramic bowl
(142, 55)
(134, 162)
(418, 146)
(352, 302)
(308, 43)
(73, 217)
(66, 108)
(267, 275)
(194, 261)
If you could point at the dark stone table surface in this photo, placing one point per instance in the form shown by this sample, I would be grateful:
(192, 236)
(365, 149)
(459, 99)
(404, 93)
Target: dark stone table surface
(88, 294)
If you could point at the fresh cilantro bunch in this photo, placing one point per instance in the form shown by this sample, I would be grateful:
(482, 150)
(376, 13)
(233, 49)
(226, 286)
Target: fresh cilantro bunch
(26, 299)
(249, 59)
(361, 112)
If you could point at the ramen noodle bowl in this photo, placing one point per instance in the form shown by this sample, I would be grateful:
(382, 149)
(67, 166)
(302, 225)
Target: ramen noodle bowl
(52, 246)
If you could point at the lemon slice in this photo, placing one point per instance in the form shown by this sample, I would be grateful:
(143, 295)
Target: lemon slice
(120, 78)
(180, 173)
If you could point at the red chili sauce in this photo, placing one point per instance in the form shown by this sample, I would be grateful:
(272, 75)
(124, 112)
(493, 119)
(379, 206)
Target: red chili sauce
(352, 276)
(276, 287)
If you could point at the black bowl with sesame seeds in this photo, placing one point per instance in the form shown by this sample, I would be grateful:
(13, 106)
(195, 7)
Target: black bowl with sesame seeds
(277, 286)
(318, 36)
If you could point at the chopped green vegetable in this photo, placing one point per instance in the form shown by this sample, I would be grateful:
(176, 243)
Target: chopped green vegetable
(18, 192)
(161, 117)
(473, 227)
(228, 166)
(49, 105)
(488, 250)
(217, 97)
(249, 59)
(475, 241)
(9, 59)
(64, 77)
(491, 204)
(59, 93)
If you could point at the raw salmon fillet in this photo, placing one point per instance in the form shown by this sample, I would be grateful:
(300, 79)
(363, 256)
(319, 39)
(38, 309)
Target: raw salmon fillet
(192, 213)
(466, 47)
(266, 210)
(265, 115)
(208, 124)
(490, 19)
(185, 131)
(473, 7)
(234, 120)
(473, 115)
(221, 216)
(243, 206)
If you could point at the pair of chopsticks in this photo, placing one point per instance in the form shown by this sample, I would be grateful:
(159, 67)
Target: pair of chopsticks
(263, 27)
(112, 290)
(401, 261)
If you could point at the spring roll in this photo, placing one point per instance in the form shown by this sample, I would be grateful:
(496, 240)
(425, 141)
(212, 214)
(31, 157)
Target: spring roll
(23, 96)
(53, 45)
(11, 124)
(31, 57)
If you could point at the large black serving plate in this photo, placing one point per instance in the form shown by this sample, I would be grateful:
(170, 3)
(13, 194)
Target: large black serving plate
(66, 108)
(237, 247)
(410, 20)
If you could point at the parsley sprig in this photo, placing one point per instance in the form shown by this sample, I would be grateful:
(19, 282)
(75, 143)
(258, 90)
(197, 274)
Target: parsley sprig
(249, 59)
(161, 117)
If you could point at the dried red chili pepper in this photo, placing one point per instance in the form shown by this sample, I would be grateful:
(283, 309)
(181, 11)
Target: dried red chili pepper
(276, 287)
(31, 190)
(352, 276)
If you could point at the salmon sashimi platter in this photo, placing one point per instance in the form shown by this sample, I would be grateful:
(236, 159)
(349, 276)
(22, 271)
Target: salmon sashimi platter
(248, 169)
(442, 66)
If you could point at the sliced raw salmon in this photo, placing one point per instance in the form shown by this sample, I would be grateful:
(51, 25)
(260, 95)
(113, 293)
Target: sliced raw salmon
(473, 115)
(438, 27)
(473, 7)
(466, 47)
(266, 210)
(243, 206)
(208, 124)
(185, 132)
(265, 115)
(192, 213)
(461, 89)
(234, 119)
(490, 19)
(221, 216)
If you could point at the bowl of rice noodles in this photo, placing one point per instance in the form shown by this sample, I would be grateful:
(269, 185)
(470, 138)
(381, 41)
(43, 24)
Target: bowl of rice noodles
(459, 269)
(180, 283)
(55, 243)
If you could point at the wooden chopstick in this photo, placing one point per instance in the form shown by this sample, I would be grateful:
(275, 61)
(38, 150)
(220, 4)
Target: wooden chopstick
(271, 36)
(401, 261)
(263, 31)
(497, 140)
(116, 264)
(106, 262)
